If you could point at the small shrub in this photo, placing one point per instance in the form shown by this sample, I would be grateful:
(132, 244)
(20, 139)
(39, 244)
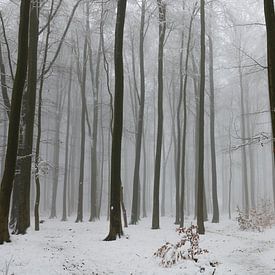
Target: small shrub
(171, 254)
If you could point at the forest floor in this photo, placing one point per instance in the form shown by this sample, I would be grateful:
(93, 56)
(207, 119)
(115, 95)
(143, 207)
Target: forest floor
(70, 248)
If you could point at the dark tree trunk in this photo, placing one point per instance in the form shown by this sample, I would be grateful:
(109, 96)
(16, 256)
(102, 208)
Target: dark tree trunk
(115, 211)
(270, 31)
(215, 218)
(200, 199)
(23, 220)
(17, 92)
(162, 29)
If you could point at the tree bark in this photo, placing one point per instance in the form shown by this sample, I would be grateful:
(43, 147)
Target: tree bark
(136, 181)
(215, 218)
(270, 31)
(162, 29)
(17, 92)
(66, 178)
(115, 211)
(200, 195)
(79, 217)
(184, 91)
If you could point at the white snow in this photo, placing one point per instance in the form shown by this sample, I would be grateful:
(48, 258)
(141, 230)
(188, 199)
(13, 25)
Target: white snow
(77, 248)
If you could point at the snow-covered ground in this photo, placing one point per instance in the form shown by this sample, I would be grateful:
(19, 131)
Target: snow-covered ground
(70, 248)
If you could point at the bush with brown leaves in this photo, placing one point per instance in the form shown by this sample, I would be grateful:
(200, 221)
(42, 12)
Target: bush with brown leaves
(258, 218)
(186, 248)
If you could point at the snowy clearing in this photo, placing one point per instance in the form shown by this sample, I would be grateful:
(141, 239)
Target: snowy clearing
(70, 248)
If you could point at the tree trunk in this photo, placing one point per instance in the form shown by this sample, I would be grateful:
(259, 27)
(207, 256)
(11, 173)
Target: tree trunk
(56, 155)
(162, 29)
(136, 181)
(115, 211)
(4, 84)
(270, 31)
(79, 217)
(94, 170)
(215, 218)
(200, 195)
(184, 91)
(17, 92)
(243, 150)
(66, 178)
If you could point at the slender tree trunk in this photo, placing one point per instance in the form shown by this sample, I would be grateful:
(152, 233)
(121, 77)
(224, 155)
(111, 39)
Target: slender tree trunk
(56, 156)
(94, 172)
(215, 218)
(17, 93)
(200, 199)
(184, 91)
(162, 29)
(102, 161)
(163, 180)
(66, 178)
(243, 135)
(79, 217)
(115, 211)
(179, 151)
(136, 181)
(144, 191)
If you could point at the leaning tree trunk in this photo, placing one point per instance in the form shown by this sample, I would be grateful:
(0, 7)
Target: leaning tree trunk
(162, 29)
(17, 93)
(115, 212)
(200, 195)
(270, 31)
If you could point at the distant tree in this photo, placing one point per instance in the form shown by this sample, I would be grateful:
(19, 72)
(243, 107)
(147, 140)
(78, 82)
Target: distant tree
(215, 218)
(184, 132)
(82, 75)
(162, 30)
(136, 180)
(115, 211)
(17, 93)
(66, 177)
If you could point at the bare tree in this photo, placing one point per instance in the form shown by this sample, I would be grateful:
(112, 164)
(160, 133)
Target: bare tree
(17, 93)
(162, 30)
(115, 211)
